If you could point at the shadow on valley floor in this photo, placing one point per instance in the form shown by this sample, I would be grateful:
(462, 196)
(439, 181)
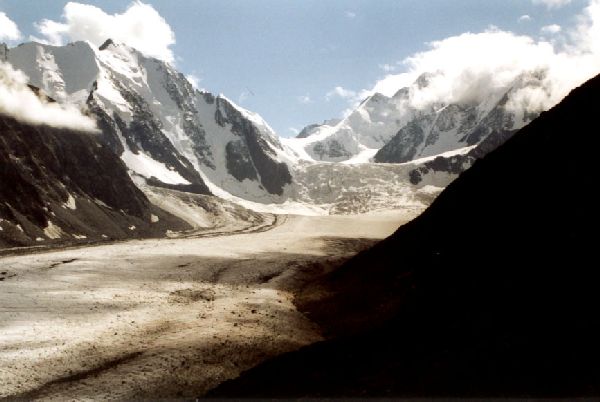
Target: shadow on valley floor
(66, 283)
(163, 372)
(491, 292)
(81, 290)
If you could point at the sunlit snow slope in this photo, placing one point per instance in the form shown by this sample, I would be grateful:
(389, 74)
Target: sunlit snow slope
(164, 129)
(175, 136)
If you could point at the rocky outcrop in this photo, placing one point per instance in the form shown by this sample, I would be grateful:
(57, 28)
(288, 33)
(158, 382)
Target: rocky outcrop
(63, 186)
(403, 146)
(252, 155)
(143, 133)
(332, 149)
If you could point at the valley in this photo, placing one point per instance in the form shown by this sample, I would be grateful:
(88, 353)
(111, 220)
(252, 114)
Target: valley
(410, 235)
(166, 317)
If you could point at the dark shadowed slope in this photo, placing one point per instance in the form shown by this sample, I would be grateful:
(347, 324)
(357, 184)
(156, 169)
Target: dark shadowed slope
(493, 291)
(59, 185)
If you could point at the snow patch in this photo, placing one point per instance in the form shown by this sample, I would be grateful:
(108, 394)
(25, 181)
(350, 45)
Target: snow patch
(71, 204)
(429, 189)
(52, 231)
(447, 154)
(145, 166)
(364, 156)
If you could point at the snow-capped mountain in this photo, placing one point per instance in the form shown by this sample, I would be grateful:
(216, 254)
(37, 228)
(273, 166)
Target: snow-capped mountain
(460, 125)
(177, 137)
(163, 129)
(396, 130)
(368, 128)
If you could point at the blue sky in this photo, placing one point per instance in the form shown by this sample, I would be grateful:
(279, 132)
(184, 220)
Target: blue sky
(281, 58)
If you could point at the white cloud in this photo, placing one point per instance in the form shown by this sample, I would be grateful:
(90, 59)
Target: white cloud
(341, 93)
(242, 98)
(293, 130)
(18, 101)
(525, 18)
(388, 67)
(194, 80)
(350, 14)
(467, 66)
(8, 28)
(551, 29)
(304, 99)
(552, 3)
(140, 26)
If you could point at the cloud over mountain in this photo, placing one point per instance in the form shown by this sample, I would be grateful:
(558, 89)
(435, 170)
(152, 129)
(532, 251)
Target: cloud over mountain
(20, 102)
(8, 28)
(140, 26)
(464, 67)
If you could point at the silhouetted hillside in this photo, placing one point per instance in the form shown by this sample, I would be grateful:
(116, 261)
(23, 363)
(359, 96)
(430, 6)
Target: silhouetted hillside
(493, 291)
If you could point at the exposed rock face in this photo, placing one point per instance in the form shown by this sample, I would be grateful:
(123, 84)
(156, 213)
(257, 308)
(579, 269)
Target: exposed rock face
(63, 186)
(163, 128)
(491, 292)
(253, 156)
(144, 134)
(239, 161)
(332, 149)
(403, 146)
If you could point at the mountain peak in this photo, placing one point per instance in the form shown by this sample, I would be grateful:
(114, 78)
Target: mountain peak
(424, 80)
(106, 44)
(378, 97)
(123, 50)
(402, 93)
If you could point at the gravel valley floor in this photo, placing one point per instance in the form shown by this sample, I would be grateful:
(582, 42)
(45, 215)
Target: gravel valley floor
(168, 317)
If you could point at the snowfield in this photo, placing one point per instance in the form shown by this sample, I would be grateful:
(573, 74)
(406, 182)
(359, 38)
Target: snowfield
(167, 317)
